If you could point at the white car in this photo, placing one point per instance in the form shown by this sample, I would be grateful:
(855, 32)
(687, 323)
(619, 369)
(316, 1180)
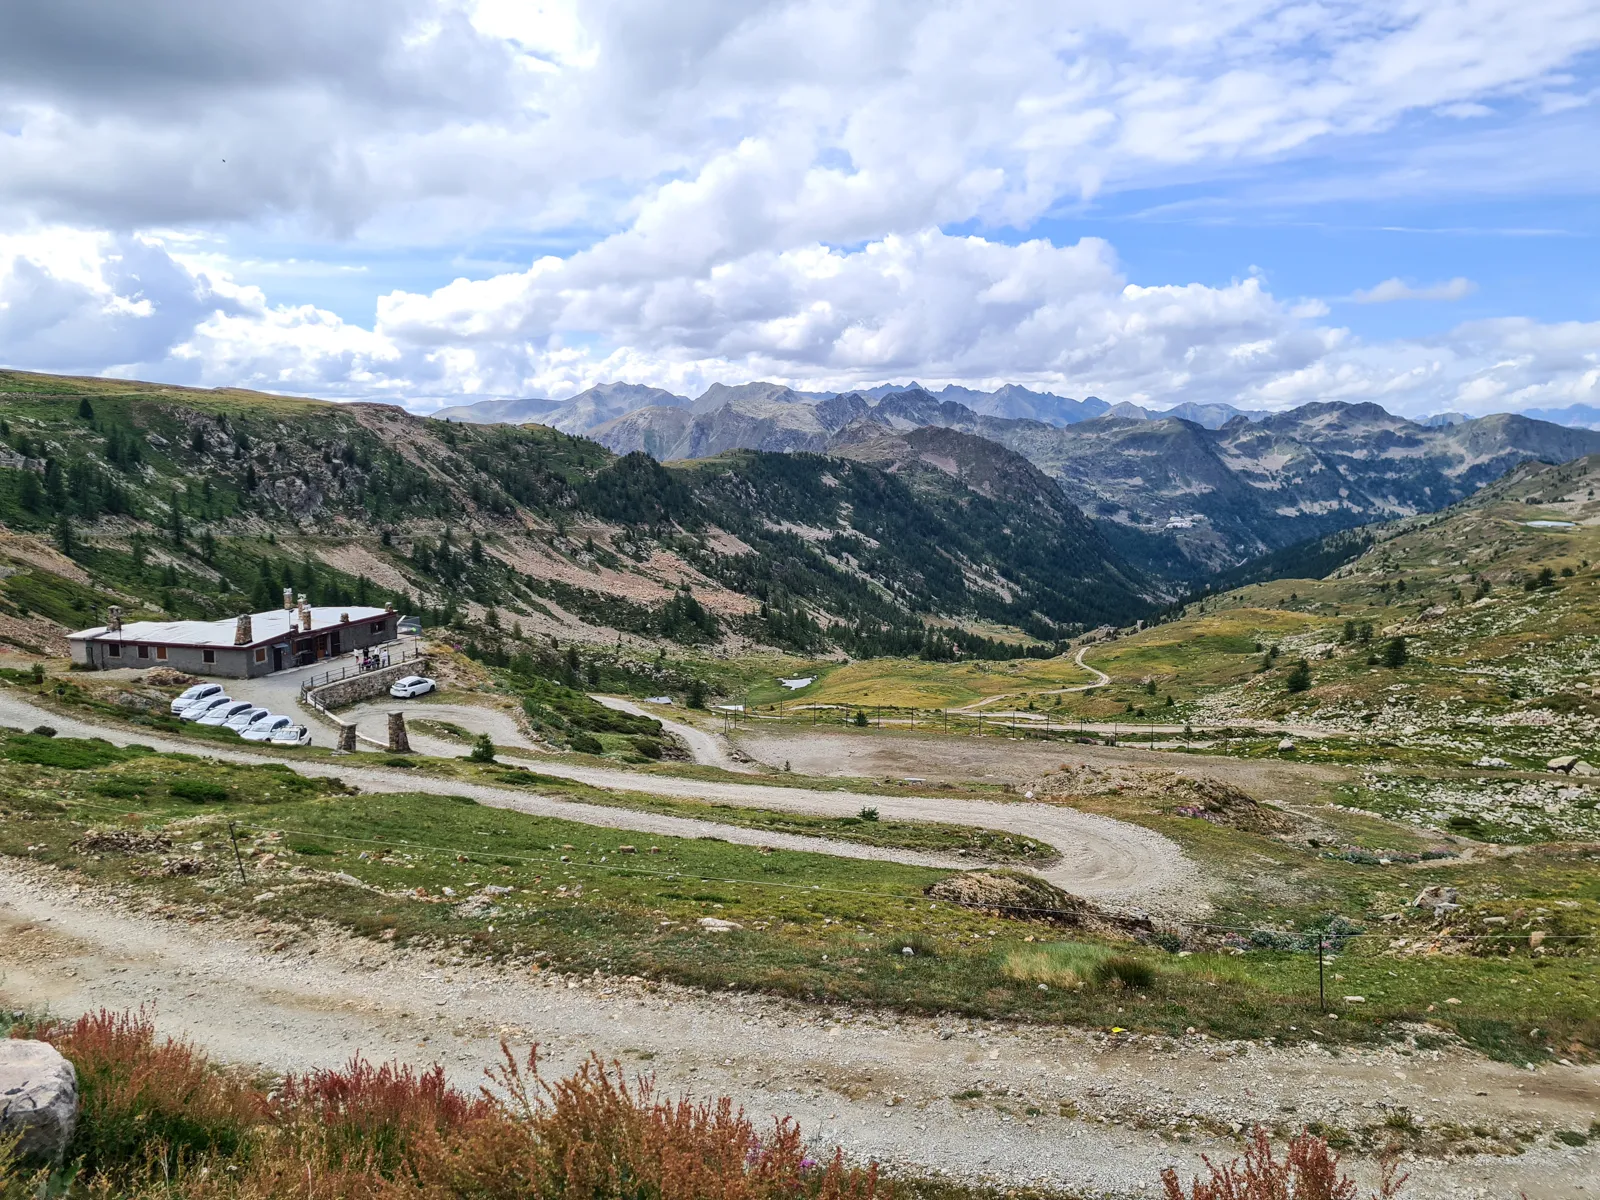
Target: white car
(291, 735)
(239, 722)
(411, 685)
(262, 730)
(199, 692)
(201, 707)
(223, 713)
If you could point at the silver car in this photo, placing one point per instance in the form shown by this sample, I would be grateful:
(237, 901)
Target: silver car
(292, 735)
(223, 713)
(199, 692)
(201, 707)
(241, 721)
(262, 730)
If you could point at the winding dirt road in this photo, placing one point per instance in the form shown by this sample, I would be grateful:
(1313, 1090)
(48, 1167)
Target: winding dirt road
(1075, 1109)
(1102, 859)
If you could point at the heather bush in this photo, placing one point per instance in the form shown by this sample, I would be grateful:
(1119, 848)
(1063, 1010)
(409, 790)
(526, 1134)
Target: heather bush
(1309, 1171)
(158, 1118)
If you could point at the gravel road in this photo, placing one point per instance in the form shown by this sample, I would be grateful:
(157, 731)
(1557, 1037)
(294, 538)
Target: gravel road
(707, 749)
(1103, 859)
(1106, 1107)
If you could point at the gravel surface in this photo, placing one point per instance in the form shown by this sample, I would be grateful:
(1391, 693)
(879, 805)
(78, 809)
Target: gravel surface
(1108, 1108)
(1107, 860)
(707, 749)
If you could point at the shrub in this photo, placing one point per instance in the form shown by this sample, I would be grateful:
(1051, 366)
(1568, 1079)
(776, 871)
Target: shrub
(483, 749)
(868, 814)
(1299, 678)
(46, 731)
(648, 747)
(72, 754)
(198, 791)
(1125, 971)
(140, 1097)
(1309, 1171)
(158, 1119)
(859, 720)
(585, 743)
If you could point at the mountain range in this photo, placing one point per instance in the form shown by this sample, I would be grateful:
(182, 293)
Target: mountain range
(1198, 489)
(184, 503)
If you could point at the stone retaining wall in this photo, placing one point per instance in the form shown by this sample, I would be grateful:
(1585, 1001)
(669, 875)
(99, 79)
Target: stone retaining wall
(344, 692)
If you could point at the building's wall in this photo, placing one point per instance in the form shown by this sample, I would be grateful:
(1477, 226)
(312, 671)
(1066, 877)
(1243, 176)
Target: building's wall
(235, 662)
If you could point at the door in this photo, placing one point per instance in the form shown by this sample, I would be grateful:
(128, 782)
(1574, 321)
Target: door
(335, 643)
(277, 658)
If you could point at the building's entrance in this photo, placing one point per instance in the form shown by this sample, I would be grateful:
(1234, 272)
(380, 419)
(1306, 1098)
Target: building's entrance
(334, 644)
(277, 656)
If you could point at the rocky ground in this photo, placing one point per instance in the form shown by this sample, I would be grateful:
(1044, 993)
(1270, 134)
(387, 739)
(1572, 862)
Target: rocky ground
(1097, 1111)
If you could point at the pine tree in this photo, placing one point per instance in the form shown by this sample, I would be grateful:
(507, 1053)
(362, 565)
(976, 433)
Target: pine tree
(1299, 678)
(1395, 653)
(64, 538)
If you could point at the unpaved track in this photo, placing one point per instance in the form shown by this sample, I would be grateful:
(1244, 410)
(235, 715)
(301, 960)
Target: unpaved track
(1100, 680)
(329, 997)
(708, 749)
(1100, 858)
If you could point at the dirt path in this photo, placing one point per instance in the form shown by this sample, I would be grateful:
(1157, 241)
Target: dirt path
(707, 749)
(1103, 859)
(1100, 680)
(877, 1084)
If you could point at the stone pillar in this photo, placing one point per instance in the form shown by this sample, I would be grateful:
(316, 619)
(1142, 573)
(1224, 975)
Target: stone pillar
(347, 735)
(398, 742)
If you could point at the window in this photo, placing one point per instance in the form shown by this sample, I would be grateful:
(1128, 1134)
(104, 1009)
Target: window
(376, 627)
(144, 651)
(209, 656)
(114, 649)
(161, 653)
(261, 654)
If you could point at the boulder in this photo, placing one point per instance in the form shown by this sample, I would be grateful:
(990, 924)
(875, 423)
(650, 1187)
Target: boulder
(38, 1099)
(1436, 896)
(1286, 744)
(1583, 768)
(1563, 763)
(718, 925)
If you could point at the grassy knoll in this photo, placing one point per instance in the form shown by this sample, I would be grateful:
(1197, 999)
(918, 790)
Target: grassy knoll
(814, 926)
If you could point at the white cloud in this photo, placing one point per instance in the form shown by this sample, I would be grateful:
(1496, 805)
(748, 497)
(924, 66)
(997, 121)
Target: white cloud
(1397, 289)
(754, 190)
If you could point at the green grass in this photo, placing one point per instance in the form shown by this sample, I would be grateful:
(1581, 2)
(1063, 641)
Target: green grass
(813, 926)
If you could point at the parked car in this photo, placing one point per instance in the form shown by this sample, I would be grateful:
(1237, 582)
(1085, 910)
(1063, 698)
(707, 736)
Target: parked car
(262, 730)
(201, 707)
(223, 713)
(291, 735)
(241, 721)
(412, 685)
(199, 692)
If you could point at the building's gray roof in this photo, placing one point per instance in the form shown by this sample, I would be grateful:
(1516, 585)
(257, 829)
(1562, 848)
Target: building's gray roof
(265, 627)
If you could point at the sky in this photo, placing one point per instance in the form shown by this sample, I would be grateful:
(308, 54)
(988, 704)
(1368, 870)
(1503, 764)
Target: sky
(430, 201)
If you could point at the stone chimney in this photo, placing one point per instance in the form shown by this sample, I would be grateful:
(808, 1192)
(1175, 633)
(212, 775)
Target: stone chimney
(305, 615)
(114, 619)
(288, 599)
(388, 606)
(241, 631)
(344, 618)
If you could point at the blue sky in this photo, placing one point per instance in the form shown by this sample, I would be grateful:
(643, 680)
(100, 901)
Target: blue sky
(1244, 200)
